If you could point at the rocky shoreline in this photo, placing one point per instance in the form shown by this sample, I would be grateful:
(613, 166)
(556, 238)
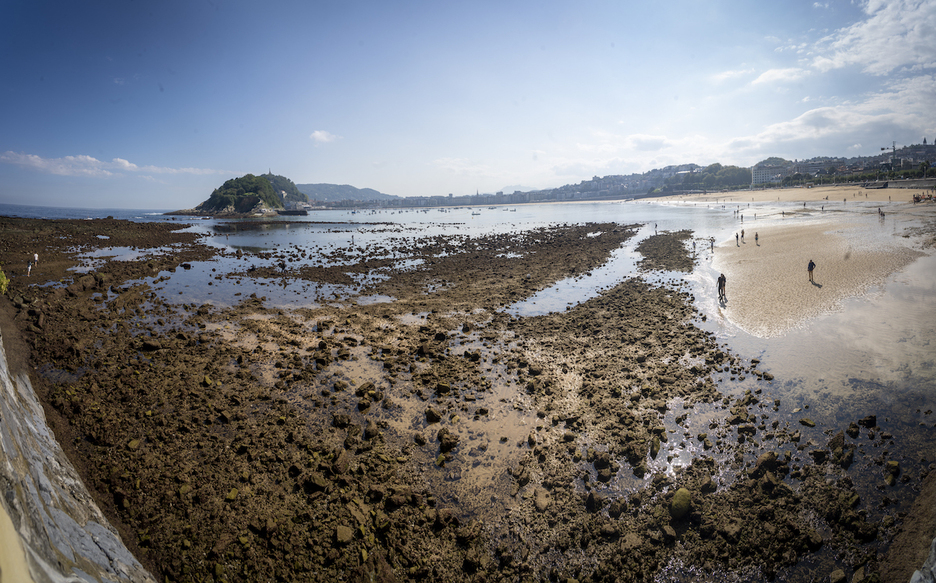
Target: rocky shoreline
(434, 437)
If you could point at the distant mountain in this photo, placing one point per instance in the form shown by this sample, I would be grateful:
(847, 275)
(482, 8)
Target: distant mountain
(242, 195)
(286, 188)
(338, 192)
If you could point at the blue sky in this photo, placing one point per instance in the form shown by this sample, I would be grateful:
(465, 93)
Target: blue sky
(146, 104)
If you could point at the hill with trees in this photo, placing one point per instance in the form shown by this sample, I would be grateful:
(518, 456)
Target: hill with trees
(711, 177)
(242, 195)
(282, 185)
(339, 192)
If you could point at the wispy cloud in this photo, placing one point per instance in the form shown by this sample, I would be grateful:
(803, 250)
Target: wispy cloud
(89, 166)
(896, 34)
(726, 75)
(780, 75)
(322, 137)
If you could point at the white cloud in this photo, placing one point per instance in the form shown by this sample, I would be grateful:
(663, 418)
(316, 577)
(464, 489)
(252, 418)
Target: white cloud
(89, 166)
(777, 75)
(322, 137)
(66, 166)
(901, 106)
(726, 75)
(896, 34)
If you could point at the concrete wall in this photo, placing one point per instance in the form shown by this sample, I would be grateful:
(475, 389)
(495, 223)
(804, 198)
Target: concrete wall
(50, 528)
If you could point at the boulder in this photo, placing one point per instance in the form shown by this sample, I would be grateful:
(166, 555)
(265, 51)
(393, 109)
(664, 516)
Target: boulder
(679, 506)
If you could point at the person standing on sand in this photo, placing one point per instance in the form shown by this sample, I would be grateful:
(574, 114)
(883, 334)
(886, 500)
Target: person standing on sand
(722, 280)
(756, 241)
(736, 240)
(810, 268)
(742, 234)
(35, 259)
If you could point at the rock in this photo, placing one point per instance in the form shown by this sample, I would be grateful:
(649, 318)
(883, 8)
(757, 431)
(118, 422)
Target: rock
(837, 576)
(654, 447)
(819, 455)
(343, 534)
(868, 422)
(594, 502)
(669, 534)
(370, 430)
(680, 504)
(707, 485)
(432, 416)
(837, 442)
(150, 345)
(315, 482)
(447, 440)
(807, 422)
(852, 430)
(231, 495)
(767, 462)
(541, 499)
(630, 542)
(893, 468)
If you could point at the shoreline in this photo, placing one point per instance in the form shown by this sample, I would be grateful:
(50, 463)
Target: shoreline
(376, 457)
(831, 194)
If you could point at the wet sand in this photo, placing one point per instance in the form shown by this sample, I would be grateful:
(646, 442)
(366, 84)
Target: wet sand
(768, 289)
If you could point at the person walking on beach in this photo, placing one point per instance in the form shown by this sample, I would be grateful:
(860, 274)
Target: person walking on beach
(722, 280)
(742, 234)
(756, 241)
(809, 268)
(736, 240)
(35, 259)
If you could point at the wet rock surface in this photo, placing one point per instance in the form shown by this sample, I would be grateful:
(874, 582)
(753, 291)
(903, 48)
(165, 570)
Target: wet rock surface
(434, 437)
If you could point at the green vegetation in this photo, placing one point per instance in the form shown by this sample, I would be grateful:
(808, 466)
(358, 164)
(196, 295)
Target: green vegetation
(242, 195)
(712, 177)
(774, 161)
(4, 283)
(281, 184)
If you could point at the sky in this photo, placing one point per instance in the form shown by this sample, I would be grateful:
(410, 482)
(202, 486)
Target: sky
(153, 104)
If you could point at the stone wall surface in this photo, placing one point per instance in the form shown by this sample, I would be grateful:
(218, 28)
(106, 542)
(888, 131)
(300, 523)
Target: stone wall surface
(63, 534)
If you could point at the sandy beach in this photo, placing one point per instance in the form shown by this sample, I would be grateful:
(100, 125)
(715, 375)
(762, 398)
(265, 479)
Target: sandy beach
(833, 194)
(768, 289)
